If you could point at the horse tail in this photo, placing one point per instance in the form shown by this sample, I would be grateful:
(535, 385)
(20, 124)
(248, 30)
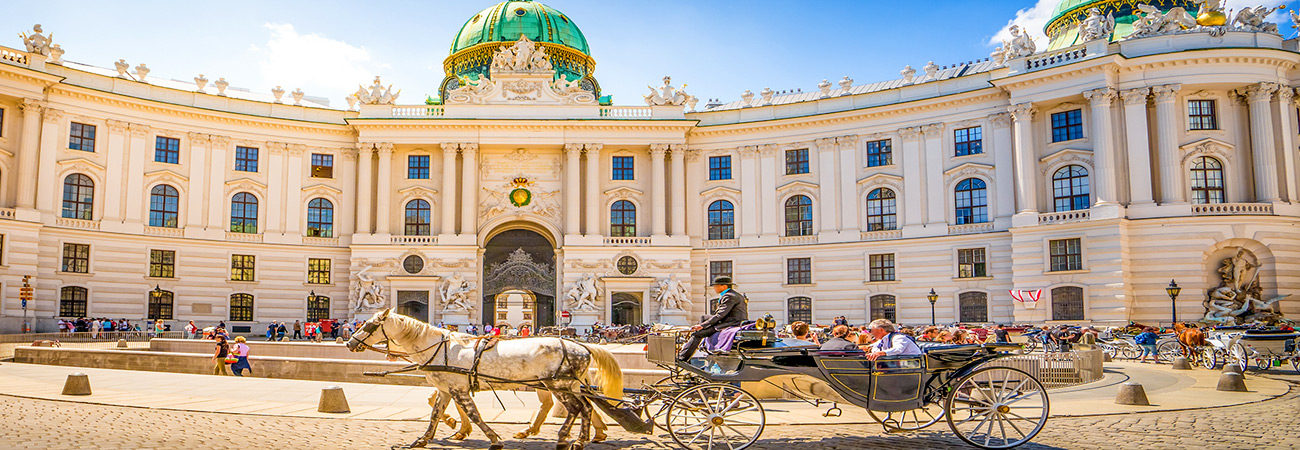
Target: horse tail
(609, 374)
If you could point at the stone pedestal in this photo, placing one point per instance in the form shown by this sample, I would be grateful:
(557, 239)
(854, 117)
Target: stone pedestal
(674, 317)
(458, 318)
(584, 319)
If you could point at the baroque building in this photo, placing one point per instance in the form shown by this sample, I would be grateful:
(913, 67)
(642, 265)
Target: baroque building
(1070, 184)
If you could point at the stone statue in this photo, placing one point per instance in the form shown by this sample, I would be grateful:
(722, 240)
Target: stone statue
(1255, 19)
(455, 294)
(377, 94)
(583, 295)
(1000, 55)
(667, 94)
(1237, 300)
(1151, 22)
(672, 296)
(825, 88)
(908, 74)
(1021, 43)
(931, 71)
(37, 42)
(1096, 26)
(523, 56)
(367, 294)
(122, 67)
(563, 86)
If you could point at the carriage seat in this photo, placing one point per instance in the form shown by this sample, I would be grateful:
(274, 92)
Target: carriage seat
(928, 346)
(755, 338)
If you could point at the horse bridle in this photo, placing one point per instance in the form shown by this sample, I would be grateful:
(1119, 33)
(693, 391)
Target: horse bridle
(369, 329)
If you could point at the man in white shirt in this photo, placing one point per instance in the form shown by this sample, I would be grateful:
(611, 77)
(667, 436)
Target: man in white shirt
(889, 342)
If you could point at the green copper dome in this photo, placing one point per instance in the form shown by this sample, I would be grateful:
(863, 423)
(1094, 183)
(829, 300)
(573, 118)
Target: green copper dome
(1063, 28)
(506, 21)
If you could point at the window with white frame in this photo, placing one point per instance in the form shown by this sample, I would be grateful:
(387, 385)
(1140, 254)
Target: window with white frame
(1065, 254)
(880, 267)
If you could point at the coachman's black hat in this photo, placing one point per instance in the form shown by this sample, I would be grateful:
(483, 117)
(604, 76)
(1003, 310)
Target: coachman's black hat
(722, 280)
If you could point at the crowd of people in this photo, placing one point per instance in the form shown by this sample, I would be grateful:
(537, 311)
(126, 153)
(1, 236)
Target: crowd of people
(931, 333)
(101, 326)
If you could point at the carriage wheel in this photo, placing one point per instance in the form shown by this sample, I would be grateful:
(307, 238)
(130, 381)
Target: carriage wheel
(1029, 347)
(1262, 364)
(1168, 351)
(1237, 355)
(1131, 352)
(1295, 364)
(997, 407)
(910, 420)
(1209, 357)
(715, 416)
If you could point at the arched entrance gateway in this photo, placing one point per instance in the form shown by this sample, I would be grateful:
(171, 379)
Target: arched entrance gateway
(519, 279)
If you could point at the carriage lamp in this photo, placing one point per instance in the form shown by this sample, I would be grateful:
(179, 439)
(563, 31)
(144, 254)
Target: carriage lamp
(932, 297)
(1173, 291)
(156, 296)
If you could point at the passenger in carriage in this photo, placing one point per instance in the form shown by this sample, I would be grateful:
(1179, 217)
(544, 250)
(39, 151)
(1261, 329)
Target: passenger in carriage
(889, 342)
(839, 341)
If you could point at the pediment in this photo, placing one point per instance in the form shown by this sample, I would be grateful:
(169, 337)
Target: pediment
(246, 183)
(969, 168)
(167, 174)
(417, 190)
(796, 185)
(720, 190)
(1087, 154)
(891, 181)
(322, 189)
(81, 164)
(623, 192)
(1207, 147)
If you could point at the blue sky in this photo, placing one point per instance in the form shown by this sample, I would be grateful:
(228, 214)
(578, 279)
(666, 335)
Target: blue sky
(718, 48)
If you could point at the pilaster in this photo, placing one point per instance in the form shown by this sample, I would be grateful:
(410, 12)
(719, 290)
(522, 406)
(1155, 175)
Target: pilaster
(384, 203)
(1263, 151)
(572, 185)
(447, 226)
(1137, 146)
(116, 168)
(934, 189)
(47, 185)
(29, 152)
(1168, 125)
(593, 173)
(469, 189)
(365, 187)
(678, 190)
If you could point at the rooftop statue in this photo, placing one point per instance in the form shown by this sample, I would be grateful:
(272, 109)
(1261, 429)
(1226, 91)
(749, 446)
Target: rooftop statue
(1020, 45)
(1095, 26)
(523, 56)
(1255, 19)
(37, 42)
(377, 94)
(1237, 300)
(1151, 22)
(667, 94)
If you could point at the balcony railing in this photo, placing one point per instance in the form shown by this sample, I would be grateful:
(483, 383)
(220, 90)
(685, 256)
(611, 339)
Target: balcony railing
(881, 235)
(243, 237)
(970, 228)
(164, 231)
(13, 56)
(417, 111)
(721, 243)
(627, 241)
(8, 213)
(1230, 209)
(320, 241)
(626, 112)
(77, 223)
(1063, 216)
(415, 240)
(796, 240)
(1058, 57)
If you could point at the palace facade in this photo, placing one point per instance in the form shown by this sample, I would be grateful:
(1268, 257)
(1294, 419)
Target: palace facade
(1087, 176)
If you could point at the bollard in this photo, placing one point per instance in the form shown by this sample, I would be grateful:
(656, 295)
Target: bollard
(1180, 363)
(332, 400)
(1232, 367)
(121, 343)
(1231, 382)
(1105, 357)
(339, 340)
(1132, 394)
(77, 384)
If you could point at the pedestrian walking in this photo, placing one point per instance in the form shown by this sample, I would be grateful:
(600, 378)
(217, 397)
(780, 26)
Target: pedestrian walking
(241, 358)
(280, 331)
(270, 331)
(94, 329)
(1001, 333)
(191, 330)
(159, 328)
(297, 329)
(219, 357)
(1147, 340)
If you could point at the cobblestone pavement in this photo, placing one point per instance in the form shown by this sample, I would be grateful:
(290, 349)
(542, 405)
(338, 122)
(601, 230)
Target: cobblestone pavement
(43, 424)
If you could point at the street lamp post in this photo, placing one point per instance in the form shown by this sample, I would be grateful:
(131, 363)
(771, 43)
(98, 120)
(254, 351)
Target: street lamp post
(311, 302)
(932, 297)
(1173, 291)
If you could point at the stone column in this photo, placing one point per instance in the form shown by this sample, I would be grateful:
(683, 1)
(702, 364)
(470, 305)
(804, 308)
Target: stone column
(1263, 151)
(293, 201)
(572, 209)
(48, 186)
(1103, 150)
(1022, 116)
(594, 175)
(384, 187)
(749, 203)
(773, 213)
(678, 190)
(135, 193)
(1168, 126)
(116, 168)
(469, 189)
(934, 189)
(194, 206)
(850, 206)
(1138, 146)
(448, 194)
(1286, 117)
(348, 224)
(275, 188)
(828, 203)
(365, 187)
(1003, 163)
(912, 162)
(29, 152)
(659, 209)
(691, 200)
(218, 164)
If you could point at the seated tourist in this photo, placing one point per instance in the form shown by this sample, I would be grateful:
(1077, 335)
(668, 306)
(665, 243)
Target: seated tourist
(803, 332)
(839, 342)
(960, 336)
(929, 334)
(944, 336)
(889, 342)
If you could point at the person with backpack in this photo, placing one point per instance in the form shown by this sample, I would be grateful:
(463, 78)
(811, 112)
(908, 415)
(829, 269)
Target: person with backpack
(1147, 340)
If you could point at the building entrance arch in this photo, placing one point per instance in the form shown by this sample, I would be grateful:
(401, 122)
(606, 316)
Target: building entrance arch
(519, 276)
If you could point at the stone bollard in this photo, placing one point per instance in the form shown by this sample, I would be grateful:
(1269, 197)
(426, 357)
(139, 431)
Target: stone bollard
(1231, 367)
(121, 343)
(77, 384)
(1181, 363)
(339, 340)
(332, 400)
(1131, 394)
(1231, 382)
(1105, 357)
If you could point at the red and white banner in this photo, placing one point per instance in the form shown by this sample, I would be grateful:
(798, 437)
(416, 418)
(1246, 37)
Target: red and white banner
(1027, 296)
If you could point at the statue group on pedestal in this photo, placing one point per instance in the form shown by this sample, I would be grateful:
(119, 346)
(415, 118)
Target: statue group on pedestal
(367, 294)
(672, 295)
(455, 294)
(582, 296)
(523, 56)
(668, 95)
(376, 95)
(1238, 299)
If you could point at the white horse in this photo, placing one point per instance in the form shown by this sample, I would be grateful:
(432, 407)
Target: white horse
(559, 365)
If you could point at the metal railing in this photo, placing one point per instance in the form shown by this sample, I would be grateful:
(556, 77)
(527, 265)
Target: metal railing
(101, 340)
(1057, 369)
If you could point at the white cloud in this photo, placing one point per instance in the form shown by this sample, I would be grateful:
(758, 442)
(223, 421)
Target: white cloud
(1034, 18)
(317, 64)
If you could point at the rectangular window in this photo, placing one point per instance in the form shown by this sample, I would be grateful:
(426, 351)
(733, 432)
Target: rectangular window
(970, 141)
(162, 263)
(1200, 114)
(880, 153)
(241, 267)
(720, 167)
(417, 167)
(881, 267)
(796, 161)
(970, 263)
(798, 271)
(719, 269)
(322, 166)
(1067, 126)
(76, 258)
(1067, 254)
(82, 137)
(623, 168)
(246, 159)
(167, 150)
(318, 271)
(2, 122)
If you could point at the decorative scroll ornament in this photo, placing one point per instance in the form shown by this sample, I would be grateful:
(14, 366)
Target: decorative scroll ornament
(1237, 300)
(517, 197)
(519, 271)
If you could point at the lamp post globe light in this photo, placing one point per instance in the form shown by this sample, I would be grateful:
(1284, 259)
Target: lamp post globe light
(1173, 291)
(932, 297)
(155, 296)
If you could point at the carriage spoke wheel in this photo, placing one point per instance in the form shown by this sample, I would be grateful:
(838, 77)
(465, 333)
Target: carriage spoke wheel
(1237, 355)
(715, 417)
(997, 407)
(1295, 364)
(1168, 351)
(910, 420)
(1262, 364)
(1209, 357)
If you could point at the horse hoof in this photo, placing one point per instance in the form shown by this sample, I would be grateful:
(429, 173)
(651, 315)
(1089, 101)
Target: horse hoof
(419, 443)
(575, 446)
(522, 435)
(497, 446)
(458, 436)
(599, 438)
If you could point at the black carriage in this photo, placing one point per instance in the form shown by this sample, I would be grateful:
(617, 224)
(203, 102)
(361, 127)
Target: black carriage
(702, 405)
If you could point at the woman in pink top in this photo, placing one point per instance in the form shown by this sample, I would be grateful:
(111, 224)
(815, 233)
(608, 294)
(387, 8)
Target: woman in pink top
(240, 350)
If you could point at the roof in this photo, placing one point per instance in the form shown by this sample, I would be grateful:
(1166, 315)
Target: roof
(506, 21)
(190, 86)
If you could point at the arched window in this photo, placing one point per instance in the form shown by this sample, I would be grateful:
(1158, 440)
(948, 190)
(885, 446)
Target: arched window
(882, 210)
(1067, 303)
(622, 219)
(418, 218)
(78, 197)
(164, 204)
(320, 218)
(1207, 181)
(243, 213)
(72, 301)
(798, 216)
(1070, 188)
(160, 305)
(241, 307)
(318, 308)
(883, 307)
(799, 310)
(973, 307)
(722, 220)
(972, 201)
